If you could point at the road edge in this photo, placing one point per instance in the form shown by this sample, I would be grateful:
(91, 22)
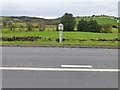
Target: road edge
(52, 46)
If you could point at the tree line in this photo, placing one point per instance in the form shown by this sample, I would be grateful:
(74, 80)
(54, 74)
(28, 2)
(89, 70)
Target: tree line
(84, 25)
(69, 22)
(28, 26)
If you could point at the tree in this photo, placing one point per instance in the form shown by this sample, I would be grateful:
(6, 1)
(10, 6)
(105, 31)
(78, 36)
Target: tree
(21, 27)
(11, 26)
(93, 26)
(88, 26)
(29, 26)
(4, 24)
(41, 26)
(68, 21)
(82, 25)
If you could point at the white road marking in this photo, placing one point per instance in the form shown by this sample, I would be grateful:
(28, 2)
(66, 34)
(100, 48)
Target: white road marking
(59, 69)
(77, 66)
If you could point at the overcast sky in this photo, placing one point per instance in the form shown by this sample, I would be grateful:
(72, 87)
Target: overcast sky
(56, 8)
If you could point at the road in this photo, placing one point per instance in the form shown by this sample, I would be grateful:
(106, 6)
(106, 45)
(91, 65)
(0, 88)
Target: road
(37, 67)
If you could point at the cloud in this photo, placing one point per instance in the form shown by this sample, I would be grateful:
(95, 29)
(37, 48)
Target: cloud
(60, 1)
(56, 8)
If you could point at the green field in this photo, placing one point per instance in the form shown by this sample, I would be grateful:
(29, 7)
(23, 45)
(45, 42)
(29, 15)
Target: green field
(101, 20)
(49, 36)
(55, 34)
(74, 38)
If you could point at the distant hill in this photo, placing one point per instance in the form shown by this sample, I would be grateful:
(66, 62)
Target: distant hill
(100, 19)
(30, 19)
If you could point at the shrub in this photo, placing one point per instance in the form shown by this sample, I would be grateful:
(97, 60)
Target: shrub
(29, 26)
(88, 26)
(106, 28)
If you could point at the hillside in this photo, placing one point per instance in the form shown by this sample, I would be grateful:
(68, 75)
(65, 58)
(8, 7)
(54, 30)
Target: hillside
(29, 19)
(18, 31)
(100, 19)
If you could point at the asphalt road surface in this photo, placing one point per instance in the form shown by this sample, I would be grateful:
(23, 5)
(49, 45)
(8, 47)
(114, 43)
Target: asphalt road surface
(32, 67)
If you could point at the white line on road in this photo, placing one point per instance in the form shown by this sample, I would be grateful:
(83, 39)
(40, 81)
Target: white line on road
(59, 69)
(77, 66)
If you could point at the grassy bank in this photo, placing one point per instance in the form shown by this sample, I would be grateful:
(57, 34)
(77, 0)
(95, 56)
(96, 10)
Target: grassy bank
(65, 34)
(71, 38)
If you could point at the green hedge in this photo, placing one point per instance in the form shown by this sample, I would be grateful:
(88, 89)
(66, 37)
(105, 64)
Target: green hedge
(35, 38)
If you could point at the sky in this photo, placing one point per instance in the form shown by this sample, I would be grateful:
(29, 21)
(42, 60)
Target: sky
(56, 8)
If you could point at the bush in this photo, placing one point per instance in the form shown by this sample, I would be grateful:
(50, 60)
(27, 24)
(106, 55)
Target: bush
(106, 28)
(29, 26)
(82, 25)
(88, 26)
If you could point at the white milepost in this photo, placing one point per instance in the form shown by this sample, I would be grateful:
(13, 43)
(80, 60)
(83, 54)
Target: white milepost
(60, 28)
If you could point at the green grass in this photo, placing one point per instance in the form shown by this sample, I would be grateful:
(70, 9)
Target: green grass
(44, 34)
(88, 35)
(106, 20)
(114, 30)
(51, 33)
(88, 43)
(71, 35)
(55, 34)
(101, 20)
